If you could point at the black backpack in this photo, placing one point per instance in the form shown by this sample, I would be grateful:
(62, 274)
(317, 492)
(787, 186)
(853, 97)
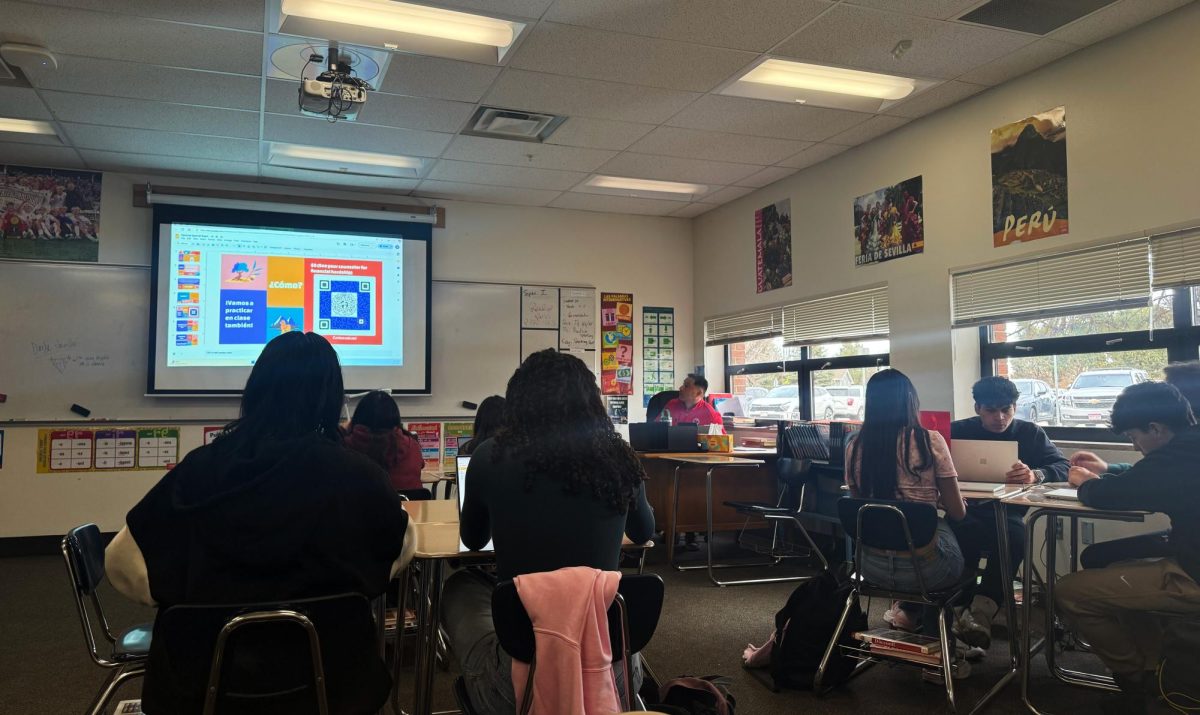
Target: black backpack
(1178, 672)
(688, 695)
(803, 628)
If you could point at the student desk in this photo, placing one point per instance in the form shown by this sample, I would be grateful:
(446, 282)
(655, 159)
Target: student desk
(436, 526)
(434, 478)
(1048, 510)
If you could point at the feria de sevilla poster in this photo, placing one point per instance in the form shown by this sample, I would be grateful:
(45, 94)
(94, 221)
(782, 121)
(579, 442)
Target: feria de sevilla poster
(1029, 178)
(773, 246)
(889, 223)
(616, 344)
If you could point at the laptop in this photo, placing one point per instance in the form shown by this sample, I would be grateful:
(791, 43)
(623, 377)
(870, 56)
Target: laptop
(982, 463)
(461, 486)
(661, 437)
(1063, 494)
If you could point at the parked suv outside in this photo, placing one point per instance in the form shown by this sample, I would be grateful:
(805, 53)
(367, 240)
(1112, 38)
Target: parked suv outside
(848, 401)
(1037, 403)
(783, 403)
(1090, 398)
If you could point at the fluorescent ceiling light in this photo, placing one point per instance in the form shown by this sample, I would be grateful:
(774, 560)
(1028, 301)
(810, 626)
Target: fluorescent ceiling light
(26, 126)
(403, 17)
(343, 161)
(800, 75)
(628, 184)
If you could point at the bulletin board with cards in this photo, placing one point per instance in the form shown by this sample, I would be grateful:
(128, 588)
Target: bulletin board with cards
(616, 344)
(658, 351)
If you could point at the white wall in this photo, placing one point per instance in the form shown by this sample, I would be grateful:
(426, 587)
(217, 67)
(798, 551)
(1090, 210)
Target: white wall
(1133, 163)
(649, 257)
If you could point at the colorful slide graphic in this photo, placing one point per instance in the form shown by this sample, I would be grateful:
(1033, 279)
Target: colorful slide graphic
(234, 289)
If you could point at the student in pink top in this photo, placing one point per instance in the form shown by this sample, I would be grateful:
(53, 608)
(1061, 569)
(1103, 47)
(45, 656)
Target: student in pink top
(691, 407)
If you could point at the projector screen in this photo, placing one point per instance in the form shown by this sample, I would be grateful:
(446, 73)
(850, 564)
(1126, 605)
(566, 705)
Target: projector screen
(225, 282)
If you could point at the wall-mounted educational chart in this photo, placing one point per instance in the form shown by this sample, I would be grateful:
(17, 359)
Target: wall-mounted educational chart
(115, 449)
(658, 352)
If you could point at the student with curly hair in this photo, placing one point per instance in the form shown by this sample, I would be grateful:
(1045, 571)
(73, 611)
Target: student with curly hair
(556, 487)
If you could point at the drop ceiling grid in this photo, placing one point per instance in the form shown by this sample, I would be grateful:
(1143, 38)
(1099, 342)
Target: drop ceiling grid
(664, 122)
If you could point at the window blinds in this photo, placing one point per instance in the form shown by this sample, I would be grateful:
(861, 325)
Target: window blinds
(1176, 259)
(755, 325)
(856, 315)
(1105, 277)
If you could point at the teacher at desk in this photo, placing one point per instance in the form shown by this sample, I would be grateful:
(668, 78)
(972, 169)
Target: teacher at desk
(691, 407)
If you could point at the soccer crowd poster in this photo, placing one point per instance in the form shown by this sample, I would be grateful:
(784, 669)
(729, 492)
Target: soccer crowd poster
(1029, 178)
(49, 214)
(616, 344)
(773, 246)
(889, 223)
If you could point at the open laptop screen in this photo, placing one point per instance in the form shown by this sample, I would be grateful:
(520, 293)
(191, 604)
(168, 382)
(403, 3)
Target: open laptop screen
(461, 484)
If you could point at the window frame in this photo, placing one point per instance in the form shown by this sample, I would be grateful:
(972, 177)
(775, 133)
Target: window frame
(1181, 341)
(804, 369)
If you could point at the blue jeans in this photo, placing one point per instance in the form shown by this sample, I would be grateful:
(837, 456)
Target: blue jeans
(940, 569)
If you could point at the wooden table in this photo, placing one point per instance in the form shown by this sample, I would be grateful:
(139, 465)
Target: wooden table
(1048, 510)
(436, 525)
(433, 477)
(747, 485)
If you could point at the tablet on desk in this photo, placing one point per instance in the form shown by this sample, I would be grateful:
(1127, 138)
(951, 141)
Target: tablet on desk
(1063, 494)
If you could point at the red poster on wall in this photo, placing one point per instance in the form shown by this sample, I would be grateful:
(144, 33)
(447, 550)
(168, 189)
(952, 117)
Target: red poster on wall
(616, 343)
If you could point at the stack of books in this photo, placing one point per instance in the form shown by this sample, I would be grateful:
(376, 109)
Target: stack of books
(901, 644)
(808, 440)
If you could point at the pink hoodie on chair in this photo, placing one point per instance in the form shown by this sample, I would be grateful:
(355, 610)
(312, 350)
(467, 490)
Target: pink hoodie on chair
(569, 611)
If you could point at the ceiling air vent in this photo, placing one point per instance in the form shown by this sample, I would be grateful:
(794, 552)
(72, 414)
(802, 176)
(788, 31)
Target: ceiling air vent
(512, 124)
(1036, 17)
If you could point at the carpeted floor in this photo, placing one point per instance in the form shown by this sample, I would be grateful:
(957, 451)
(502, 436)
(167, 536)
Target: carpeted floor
(703, 631)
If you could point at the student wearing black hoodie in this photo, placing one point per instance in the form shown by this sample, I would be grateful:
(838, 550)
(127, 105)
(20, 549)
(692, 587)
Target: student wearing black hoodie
(275, 509)
(1115, 608)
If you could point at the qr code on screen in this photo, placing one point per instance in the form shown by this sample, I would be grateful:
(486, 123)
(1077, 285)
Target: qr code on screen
(343, 305)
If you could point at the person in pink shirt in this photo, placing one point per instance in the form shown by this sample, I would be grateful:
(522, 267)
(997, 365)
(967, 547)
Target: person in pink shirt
(691, 407)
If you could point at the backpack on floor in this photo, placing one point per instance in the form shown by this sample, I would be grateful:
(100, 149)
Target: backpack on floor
(1178, 670)
(803, 628)
(688, 695)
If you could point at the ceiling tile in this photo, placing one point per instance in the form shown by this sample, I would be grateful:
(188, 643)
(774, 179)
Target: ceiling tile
(716, 146)
(355, 137)
(237, 14)
(756, 26)
(486, 194)
(937, 9)
(151, 163)
(81, 33)
(141, 114)
(140, 141)
(162, 84)
(1114, 19)
(872, 128)
(726, 194)
(521, 177)
(863, 38)
(595, 54)
(60, 156)
(598, 133)
(284, 175)
(935, 98)
(665, 168)
(21, 103)
(421, 76)
(1027, 59)
(767, 176)
(576, 97)
(737, 115)
(500, 8)
(813, 155)
(389, 110)
(693, 210)
(615, 204)
(530, 154)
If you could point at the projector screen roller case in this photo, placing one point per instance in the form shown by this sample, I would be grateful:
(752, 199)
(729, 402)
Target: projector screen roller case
(227, 282)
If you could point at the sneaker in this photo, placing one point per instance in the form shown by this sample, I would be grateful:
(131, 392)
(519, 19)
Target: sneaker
(899, 619)
(960, 669)
(974, 625)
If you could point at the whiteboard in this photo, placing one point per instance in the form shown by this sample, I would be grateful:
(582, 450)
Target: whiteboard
(77, 334)
(72, 333)
(539, 308)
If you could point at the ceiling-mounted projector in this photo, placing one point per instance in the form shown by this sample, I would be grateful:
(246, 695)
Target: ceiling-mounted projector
(335, 93)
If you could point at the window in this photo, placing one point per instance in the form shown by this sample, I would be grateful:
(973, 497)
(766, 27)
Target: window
(1070, 369)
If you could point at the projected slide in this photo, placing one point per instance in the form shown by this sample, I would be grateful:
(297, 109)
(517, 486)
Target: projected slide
(236, 288)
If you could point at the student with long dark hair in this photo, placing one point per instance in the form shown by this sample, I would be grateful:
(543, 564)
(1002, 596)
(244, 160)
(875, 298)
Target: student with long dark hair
(488, 419)
(556, 487)
(376, 431)
(894, 458)
(275, 509)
